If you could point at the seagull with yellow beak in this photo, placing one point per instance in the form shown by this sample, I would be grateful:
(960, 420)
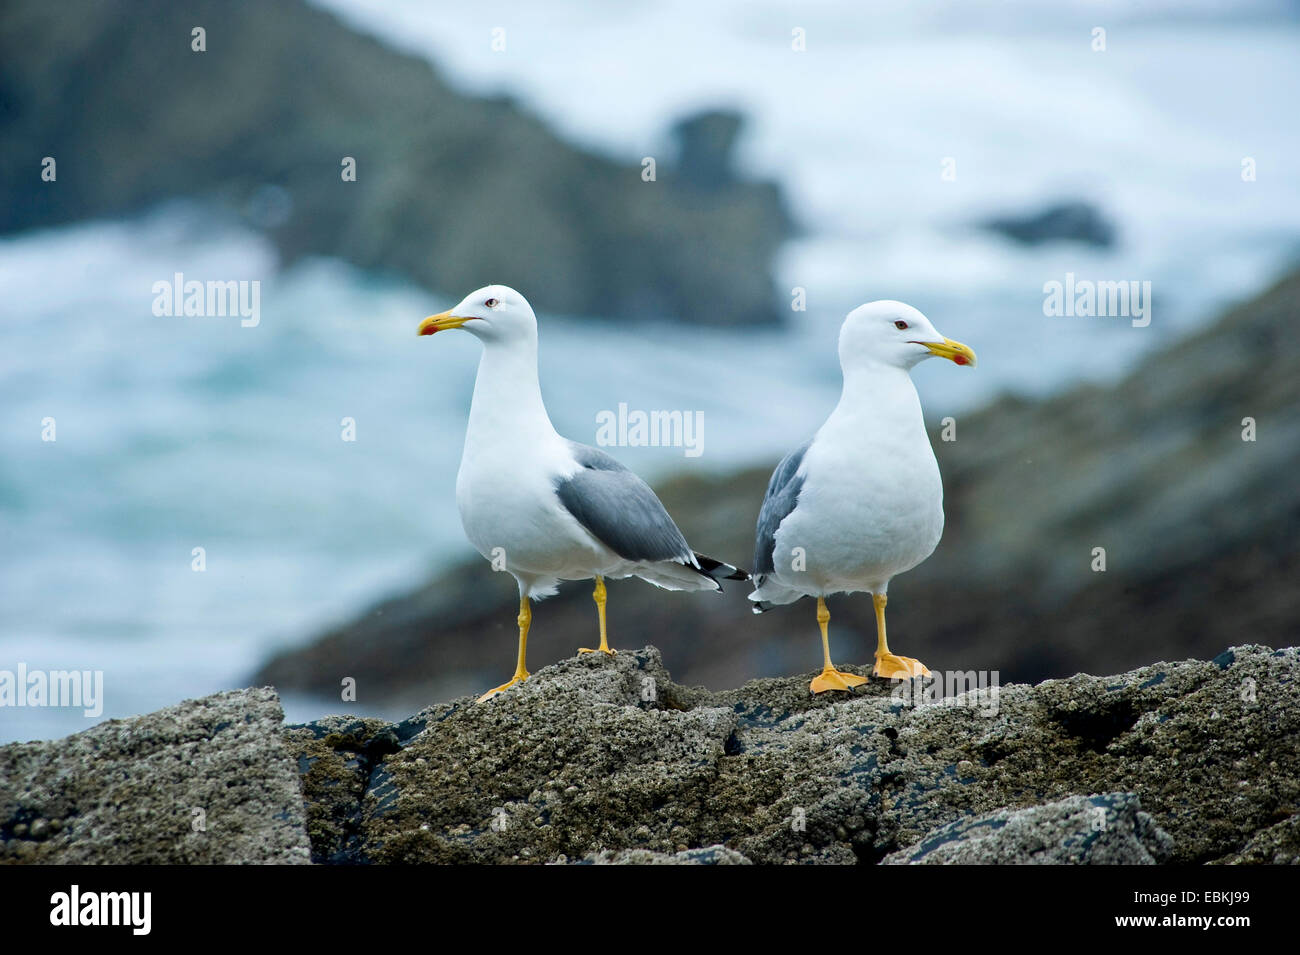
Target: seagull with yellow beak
(862, 501)
(546, 508)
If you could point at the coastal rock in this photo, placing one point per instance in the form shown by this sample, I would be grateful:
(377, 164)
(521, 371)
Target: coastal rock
(1276, 845)
(705, 143)
(710, 855)
(597, 757)
(604, 760)
(1073, 221)
(1109, 829)
(450, 190)
(205, 782)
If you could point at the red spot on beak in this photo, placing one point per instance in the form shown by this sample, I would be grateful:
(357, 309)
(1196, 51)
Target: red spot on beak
(429, 330)
(961, 359)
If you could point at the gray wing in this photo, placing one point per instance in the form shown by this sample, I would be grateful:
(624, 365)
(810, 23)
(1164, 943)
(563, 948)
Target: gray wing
(782, 493)
(620, 509)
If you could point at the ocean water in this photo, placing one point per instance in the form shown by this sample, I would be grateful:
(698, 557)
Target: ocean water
(177, 433)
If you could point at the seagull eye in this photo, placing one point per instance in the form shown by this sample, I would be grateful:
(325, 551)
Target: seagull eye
(900, 324)
(491, 303)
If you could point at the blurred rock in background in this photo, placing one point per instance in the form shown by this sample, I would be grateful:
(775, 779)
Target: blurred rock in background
(452, 191)
(1065, 221)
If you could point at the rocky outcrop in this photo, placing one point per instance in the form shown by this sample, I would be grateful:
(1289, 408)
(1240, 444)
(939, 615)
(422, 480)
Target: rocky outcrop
(1197, 525)
(712, 855)
(452, 191)
(1109, 829)
(606, 760)
(602, 760)
(1276, 845)
(1069, 221)
(208, 781)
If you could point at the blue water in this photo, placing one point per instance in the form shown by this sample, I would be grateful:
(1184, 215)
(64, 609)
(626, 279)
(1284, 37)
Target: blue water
(176, 433)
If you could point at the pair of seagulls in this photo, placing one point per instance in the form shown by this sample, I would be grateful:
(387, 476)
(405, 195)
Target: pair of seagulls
(859, 503)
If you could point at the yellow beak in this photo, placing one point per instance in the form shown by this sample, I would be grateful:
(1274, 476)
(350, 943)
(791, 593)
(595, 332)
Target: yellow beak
(441, 322)
(953, 351)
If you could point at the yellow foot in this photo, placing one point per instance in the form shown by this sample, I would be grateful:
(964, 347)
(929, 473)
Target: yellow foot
(893, 667)
(605, 650)
(517, 678)
(836, 680)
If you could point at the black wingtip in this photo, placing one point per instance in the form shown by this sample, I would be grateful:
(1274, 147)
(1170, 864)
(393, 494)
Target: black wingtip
(718, 568)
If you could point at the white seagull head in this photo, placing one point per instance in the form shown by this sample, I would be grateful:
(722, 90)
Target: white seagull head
(895, 334)
(492, 313)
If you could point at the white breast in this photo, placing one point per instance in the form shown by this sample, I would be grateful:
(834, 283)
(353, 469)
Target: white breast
(509, 509)
(871, 505)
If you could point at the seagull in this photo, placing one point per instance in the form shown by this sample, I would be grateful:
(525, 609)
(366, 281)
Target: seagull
(545, 508)
(862, 501)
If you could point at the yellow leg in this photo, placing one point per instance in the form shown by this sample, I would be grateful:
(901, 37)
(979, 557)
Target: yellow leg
(524, 620)
(889, 665)
(598, 595)
(831, 678)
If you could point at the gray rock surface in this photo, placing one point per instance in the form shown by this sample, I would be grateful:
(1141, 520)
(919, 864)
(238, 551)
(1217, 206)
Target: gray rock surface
(605, 756)
(710, 855)
(606, 761)
(1109, 829)
(1277, 845)
(129, 791)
